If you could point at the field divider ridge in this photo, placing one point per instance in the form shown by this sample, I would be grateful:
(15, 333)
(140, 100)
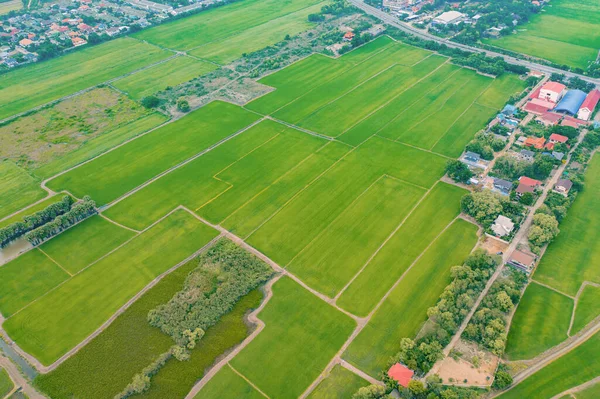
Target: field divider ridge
(576, 300)
(253, 385)
(553, 289)
(54, 261)
(414, 146)
(118, 224)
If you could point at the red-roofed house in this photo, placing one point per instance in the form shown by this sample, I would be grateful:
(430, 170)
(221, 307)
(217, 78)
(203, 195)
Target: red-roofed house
(535, 108)
(535, 142)
(588, 106)
(558, 138)
(348, 36)
(77, 41)
(569, 122)
(401, 374)
(552, 91)
(548, 119)
(524, 188)
(25, 42)
(528, 181)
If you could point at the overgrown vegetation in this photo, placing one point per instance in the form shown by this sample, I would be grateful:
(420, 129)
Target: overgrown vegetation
(485, 206)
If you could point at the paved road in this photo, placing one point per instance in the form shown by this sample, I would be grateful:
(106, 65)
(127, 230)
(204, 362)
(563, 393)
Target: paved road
(394, 21)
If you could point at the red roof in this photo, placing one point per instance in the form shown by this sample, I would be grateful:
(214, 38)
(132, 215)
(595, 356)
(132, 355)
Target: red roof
(528, 181)
(535, 109)
(348, 35)
(401, 374)
(559, 138)
(536, 93)
(570, 122)
(537, 142)
(554, 86)
(591, 100)
(524, 188)
(549, 146)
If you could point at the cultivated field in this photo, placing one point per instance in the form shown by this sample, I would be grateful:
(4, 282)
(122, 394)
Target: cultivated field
(35, 85)
(28, 211)
(340, 384)
(587, 308)
(576, 367)
(60, 319)
(567, 32)
(159, 77)
(17, 189)
(227, 380)
(6, 385)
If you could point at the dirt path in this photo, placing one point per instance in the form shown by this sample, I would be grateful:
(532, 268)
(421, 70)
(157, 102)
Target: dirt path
(577, 296)
(18, 379)
(578, 388)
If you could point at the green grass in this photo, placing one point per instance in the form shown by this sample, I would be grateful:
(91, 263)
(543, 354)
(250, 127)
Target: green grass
(60, 320)
(6, 384)
(343, 247)
(19, 216)
(216, 25)
(592, 392)
(576, 367)
(176, 378)
(227, 382)
(102, 368)
(500, 90)
(101, 144)
(540, 322)
(17, 189)
(115, 173)
(403, 313)
(566, 33)
(159, 77)
(572, 257)
(229, 48)
(226, 177)
(587, 308)
(42, 82)
(84, 243)
(302, 332)
(339, 384)
(426, 222)
(25, 279)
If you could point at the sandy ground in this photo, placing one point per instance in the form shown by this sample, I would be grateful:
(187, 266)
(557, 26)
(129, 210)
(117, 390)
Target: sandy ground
(493, 245)
(456, 372)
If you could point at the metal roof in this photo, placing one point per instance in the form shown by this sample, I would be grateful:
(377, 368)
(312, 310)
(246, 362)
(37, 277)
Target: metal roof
(571, 102)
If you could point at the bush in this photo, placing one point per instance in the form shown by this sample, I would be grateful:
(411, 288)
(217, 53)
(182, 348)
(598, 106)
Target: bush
(458, 171)
(150, 102)
(183, 105)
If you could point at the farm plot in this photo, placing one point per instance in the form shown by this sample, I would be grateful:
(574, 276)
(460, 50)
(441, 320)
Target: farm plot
(17, 189)
(6, 384)
(47, 81)
(567, 33)
(403, 313)
(159, 77)
(30, 210)
(573, 256)
(587, 308)
(576, 367)
(224, 22)
(302, 332)
(58, 321)
(339, 384)
(115, 173)
(226, 177)
(425, 223)
(540, 322)
(227, 380)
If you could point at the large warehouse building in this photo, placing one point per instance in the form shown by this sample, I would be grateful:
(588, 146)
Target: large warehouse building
(571, 102)
(587, 108)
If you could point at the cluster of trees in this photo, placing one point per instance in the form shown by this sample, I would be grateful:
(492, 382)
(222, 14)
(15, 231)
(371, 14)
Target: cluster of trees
(419, 355)
(510, 168)
(458, 171)
(431, 389)
(338, 8)
(485, 145)
(226, 273)
(573, 83)
(141, 381)
(488, 325)
(78, 212)
(502, 379)
(459, 296)
(33, 221)
(485, 206)
(543, 230)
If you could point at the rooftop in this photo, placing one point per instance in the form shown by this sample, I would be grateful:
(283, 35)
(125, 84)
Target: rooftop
(528, 181)
(558, 138)
(401, 374)
(554, 86)
(591, 100)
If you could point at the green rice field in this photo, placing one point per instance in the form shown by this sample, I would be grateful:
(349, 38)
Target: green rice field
(159, 77)
(6, 384)
(589, 393)
(18, 189)
(566, 32)
(227, 380)
(62, 318)
(46, 81)
(587, 308)
(33, 209)
(572, 369)
(339, 384)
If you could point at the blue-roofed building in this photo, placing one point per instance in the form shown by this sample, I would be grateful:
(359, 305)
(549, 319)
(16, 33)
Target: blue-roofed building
(509, 110)
(571, 102)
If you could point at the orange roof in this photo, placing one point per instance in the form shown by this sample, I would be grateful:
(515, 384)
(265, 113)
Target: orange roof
(401, 374)
(348, 35)
(554, 86)
(528, 181)
(549, 146)
(537, 142)
(25, 42)
(559, 138)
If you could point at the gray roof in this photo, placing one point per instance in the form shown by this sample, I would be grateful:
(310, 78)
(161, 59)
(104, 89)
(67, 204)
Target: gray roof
(567, 184)
(527, 153)
(558, 155)
(474, 155)
(502, 183)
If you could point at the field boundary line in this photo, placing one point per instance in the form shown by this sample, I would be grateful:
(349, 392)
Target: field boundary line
(179, 165)
(577, 388)
(248, 381)
(576, 300)
(46, 369)
(415, 147)
(394, 98)
(387, 239)
(301, 129)
(252, 318)
(553, 289)
(55, 262)
(118, 224)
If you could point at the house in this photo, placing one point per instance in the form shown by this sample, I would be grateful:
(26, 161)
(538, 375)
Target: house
(535, 142)
(558, 155)
(558, 138)
(502, 226)
(589, 104)
(563, 187)
(571, 122)
(503, 186)
(548, 119)
(448, 18)
(522, 260)
(530, 182)
(25, 42)
(552, 91)
(509, 110)
(527, 155)
(524, 188)
(471, 157)
(348, 36)
(400, 374)
(77, 41)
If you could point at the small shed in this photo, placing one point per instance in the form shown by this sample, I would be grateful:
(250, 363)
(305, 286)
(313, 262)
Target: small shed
(400, 374)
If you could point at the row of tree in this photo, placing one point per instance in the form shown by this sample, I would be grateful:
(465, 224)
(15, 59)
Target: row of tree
(78, 212)
(35, 220)
(485, 206)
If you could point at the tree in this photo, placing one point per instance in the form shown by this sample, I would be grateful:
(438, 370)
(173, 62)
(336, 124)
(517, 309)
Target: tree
(458, 171)
(484, 206)
(544, 229)
(502, 380)
(370, 392)
(417, 388)
(183, 105)
(504, 302)
(527, 199)
(150, 102)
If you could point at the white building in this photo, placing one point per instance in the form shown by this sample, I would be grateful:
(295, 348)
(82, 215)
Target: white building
(449, 18)
(588, 106)
(503, 226)
(552, 91)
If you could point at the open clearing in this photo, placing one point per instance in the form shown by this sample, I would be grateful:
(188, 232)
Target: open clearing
(159, 77)
(540, 322)
(50, 80)
(573, 369)
(339, 384)
(567, 32)
(58, 321)
(17, 189)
